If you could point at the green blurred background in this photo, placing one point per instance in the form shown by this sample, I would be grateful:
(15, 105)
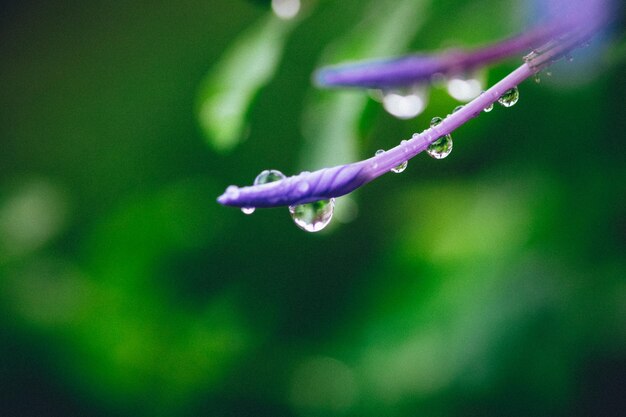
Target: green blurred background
(490, 283)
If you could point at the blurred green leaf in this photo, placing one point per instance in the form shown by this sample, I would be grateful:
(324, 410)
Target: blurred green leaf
(331, 119)
(230, 87)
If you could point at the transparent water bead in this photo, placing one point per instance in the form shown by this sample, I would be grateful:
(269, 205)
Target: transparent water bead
(400, 168)
(379, 152)
(269, 175)
(457, 108)
(405, 104)
(442, 147)
(313, 217)
(464, 87)
(509, 98)
(489, 107)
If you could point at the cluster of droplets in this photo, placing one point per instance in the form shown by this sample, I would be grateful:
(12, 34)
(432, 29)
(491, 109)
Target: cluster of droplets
(267, 176)
(398, 168)
(442, 147)
(311, 217)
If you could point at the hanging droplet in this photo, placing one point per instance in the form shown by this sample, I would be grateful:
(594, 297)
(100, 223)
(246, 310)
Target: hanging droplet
(269, 175)
(457, 108)
(247, 210)
(286, 9)
(440, 148)
(379, 152)
(406, 104)
(400, 168)
(465, 87)
(435, 121)
(509, 98)
(488, 108)
(313, 217)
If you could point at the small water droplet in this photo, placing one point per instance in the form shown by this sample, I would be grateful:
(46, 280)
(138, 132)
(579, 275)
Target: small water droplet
(379, 152)
(465, 87)
(435, 121)
(549, 73)
(400, 168)
(248, 210)
(232, 191)
(488, 108)
(537, 78)
(405, 104)
(313, 217)
(269, 175)
(440, 148)
(457, 108)
(404, 145)
(569, 58)
(509, 98)
(302, 187)
(415, 135)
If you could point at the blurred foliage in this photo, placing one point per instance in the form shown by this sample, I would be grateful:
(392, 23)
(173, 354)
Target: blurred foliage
(488, 283)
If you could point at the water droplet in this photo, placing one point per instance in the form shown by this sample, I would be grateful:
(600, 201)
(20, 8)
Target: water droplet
(457, 108)
(400, 168)
(465, 87)
(269, 175)
(435, 121)
(232, 191)
(404, 145)
(509, 98)
(440, 148)
(247, 210)
(286, 9)
(313, 217)
(537, 78)
(302, 187)
(569, 58)
(415, 135)
(488, 108)
(405, 104)
(379, 152)
(549, 73)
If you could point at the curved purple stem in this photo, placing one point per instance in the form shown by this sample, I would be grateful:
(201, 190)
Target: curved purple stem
(412, 69)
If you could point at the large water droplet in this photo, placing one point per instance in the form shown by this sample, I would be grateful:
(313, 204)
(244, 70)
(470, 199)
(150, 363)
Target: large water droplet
(247, 210)
(509, 98)
(269, 175)
(313, 217)
(405, 104)
(464, 87)
(400, 168)
(435, 121)
(440, 148)
(286, 9)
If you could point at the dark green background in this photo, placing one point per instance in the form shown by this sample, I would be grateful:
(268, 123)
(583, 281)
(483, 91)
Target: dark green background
(488, 283)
